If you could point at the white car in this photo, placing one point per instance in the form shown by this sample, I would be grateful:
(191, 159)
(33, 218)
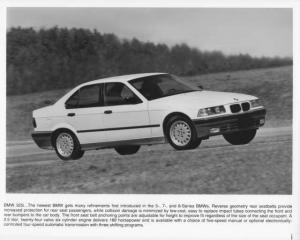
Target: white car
(125, 112)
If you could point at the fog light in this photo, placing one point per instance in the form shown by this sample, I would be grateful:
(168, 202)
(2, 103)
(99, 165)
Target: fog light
(214, 130)
(261, 121)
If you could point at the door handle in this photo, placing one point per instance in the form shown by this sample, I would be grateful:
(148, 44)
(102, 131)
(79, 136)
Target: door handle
(108, 112)
(71, 114)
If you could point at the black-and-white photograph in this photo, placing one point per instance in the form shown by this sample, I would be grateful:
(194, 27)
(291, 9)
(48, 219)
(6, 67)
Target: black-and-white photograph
(149, 100)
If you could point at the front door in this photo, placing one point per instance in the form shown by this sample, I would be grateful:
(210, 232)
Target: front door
(125, 115)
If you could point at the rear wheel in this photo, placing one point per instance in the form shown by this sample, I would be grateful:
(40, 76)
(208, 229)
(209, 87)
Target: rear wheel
(67, 146)
(181, 133)
(240, 138)
(127, 150)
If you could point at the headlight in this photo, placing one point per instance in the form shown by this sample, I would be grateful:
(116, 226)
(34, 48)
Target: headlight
(203, 112)
(255, 103)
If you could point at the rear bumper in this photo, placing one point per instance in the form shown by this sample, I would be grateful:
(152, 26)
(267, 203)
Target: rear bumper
(42, 139)
(232, 123)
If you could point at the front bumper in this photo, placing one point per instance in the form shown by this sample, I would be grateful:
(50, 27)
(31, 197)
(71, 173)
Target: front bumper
(230, 123)
(42, 139)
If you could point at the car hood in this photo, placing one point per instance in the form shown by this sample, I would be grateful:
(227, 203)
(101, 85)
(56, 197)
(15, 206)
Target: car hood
(202, 99)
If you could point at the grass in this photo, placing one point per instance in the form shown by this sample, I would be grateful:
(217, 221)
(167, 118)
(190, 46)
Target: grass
(19, 112)
(274, 86)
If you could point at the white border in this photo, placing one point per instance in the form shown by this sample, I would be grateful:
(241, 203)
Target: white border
(153, 3)
(219, 231)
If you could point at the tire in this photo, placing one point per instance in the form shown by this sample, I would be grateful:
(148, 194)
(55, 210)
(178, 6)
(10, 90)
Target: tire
(127, 150)
(240, 138)
(67, 146)
(196, 143)
(181, 133)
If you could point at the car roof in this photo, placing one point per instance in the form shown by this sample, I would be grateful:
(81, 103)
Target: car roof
(123, 78)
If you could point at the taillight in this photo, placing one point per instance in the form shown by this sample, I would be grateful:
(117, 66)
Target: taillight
(34, 122)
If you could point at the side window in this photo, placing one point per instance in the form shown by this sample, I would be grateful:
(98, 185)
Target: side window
(119, 94)
(72, 102)
(88, 96)
(149, 87)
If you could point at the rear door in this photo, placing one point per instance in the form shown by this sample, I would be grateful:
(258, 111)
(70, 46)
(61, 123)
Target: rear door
(85, 113)
(125, 115)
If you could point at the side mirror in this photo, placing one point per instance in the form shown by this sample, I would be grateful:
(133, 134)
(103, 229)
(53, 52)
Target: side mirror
(200, 87)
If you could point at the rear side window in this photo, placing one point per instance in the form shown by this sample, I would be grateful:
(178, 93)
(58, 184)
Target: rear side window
(87, 96)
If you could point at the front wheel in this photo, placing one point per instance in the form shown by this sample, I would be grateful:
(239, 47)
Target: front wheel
(240, 138)
(67, 146)
(181, 133)
(127, 150)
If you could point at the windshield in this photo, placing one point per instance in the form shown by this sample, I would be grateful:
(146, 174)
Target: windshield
(162, 85)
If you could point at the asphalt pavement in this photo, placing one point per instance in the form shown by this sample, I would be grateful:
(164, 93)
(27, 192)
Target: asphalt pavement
(26, 152)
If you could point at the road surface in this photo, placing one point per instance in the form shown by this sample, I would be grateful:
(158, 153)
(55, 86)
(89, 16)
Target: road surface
(262, 167)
